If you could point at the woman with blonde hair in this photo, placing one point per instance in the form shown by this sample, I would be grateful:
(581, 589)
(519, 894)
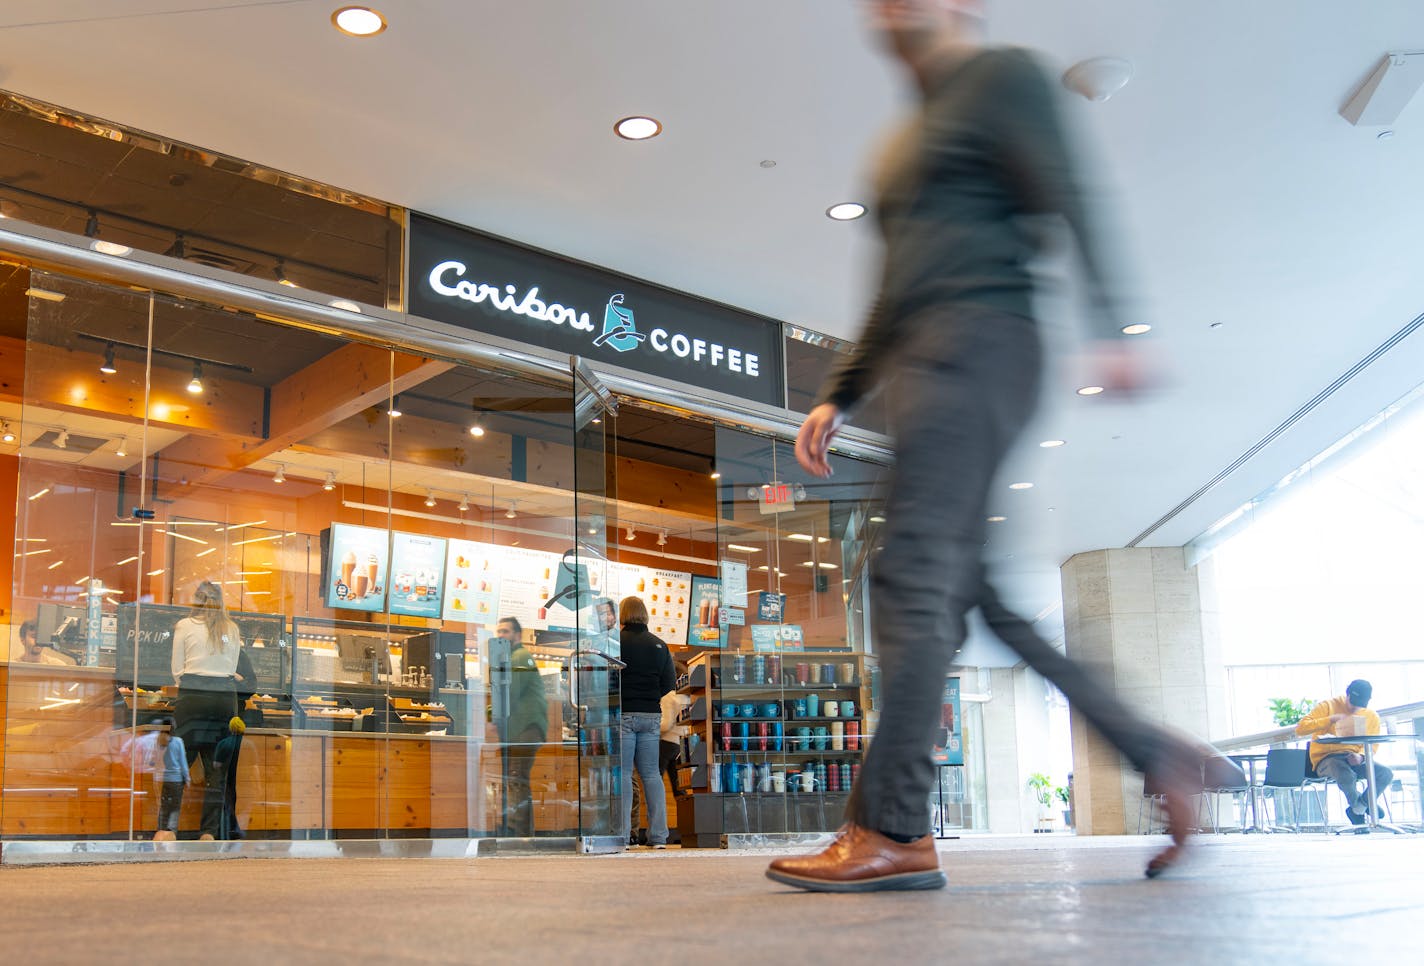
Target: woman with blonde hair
(206, 648)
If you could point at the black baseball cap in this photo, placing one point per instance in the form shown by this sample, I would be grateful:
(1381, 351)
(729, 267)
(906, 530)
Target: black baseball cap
(1359, 692)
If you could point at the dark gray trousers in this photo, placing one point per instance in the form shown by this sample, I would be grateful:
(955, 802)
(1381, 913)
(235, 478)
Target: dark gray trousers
(961, 390)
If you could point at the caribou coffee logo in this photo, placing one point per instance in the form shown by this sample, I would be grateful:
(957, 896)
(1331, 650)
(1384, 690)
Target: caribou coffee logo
(619, 333)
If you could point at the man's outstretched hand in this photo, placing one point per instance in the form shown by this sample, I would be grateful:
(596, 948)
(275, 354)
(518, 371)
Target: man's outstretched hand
(813, 442)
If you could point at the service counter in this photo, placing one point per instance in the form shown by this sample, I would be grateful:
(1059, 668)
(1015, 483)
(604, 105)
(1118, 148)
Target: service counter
(68, 772)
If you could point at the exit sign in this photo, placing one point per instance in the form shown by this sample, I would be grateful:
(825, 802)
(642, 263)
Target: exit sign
(776, 497)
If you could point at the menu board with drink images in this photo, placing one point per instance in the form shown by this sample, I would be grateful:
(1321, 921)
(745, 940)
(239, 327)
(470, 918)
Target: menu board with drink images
(357, 573)
(472, 575)
(705, 629)
(417, 574)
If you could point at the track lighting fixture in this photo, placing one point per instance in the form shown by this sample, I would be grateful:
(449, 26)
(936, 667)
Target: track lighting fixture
(464, 502)
(62, 440)
(179, 248)
(281, 475)
(394, 411)
(108, 368)
(91, 226)
(195, 385)
(429, 498)
(662, 538)
(510, 514)
(123, 448)
(631, 535)
(7, 434)
(330, 483)
(281, 272)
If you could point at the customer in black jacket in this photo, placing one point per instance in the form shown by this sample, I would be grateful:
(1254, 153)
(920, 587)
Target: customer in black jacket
(648, 676)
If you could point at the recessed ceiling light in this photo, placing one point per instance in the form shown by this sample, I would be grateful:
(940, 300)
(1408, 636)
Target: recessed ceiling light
(358, 21)
(1137, 328)
(997, 519)
(768, 163)
(743, 549)
(1020, 486)
(1090, 390)
(1051, 443)
(877, 519)
(845, 211)
(638, 128)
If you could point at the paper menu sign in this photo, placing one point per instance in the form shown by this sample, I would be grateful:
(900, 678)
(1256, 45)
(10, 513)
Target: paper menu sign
(357, 571)
(668, 616)
(526, 583)
(734, 583)
(472, 576)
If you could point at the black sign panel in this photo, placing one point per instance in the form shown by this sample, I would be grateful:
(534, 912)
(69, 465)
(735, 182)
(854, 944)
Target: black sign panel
(489, 285)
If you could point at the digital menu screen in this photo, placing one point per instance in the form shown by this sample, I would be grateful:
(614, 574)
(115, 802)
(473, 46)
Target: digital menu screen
(417, 575)
(357, 569)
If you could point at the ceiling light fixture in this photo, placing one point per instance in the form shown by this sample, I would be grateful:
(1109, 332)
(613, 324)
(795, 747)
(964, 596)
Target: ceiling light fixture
(662, 538)
(91, 226)
(845, 211)
(359, 21)
(510, 514)
(997, 519)
(179, 248)
(1090, 390)
(195, 385)
(8, 433)
(637, 128)
(281, 272)
(394, 411)
(346, 305)
(1136, 328)
(110, 248)
(278, 477)
(108, 368)
(477, 430)
(464, 502)
(630, 535)
(429, 498)
(62, 440)
(743, 549)
(36, 496)
(123, 448)
(1020, 486)
(1051, 443)
(1098, 78)
(330, 483)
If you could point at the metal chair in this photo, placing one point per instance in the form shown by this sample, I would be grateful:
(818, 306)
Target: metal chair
(1285, 772)
(1152, 799)
(1222, 776)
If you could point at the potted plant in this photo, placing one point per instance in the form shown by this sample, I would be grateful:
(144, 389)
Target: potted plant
(1061, 794)
(1285, 712)
(1042, 787)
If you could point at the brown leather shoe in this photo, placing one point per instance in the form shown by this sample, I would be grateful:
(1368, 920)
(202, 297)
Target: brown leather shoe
(861, 860)
(1178, 775)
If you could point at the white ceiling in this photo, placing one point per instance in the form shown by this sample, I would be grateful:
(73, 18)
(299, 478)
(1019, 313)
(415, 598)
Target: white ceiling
(1244, 197)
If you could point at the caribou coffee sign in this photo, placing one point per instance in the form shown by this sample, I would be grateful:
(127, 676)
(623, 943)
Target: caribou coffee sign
(488, 285)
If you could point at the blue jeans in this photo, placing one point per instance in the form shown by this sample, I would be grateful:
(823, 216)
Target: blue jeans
(641, 731)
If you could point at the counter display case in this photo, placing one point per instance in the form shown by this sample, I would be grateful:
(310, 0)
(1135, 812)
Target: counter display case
(774, 744)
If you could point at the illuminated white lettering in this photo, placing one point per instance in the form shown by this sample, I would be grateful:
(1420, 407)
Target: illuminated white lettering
(530, 306)
(680, 346)
(734, 360)
(698, 348)
(658, 337)
(752, 364)
(716, 356)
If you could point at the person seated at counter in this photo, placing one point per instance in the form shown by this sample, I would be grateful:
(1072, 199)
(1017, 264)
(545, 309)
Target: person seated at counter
(1344, 716)
(29, 650)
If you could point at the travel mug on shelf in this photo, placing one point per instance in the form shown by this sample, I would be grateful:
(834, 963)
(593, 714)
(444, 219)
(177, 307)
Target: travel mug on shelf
(838, 736)
(803, 673)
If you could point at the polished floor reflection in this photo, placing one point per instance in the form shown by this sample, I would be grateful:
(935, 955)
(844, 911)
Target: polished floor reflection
(1010, 900)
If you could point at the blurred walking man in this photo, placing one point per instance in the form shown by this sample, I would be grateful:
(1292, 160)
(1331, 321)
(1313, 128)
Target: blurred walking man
(953, 321)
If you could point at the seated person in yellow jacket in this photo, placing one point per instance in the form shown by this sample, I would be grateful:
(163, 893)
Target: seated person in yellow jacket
(1345, 764)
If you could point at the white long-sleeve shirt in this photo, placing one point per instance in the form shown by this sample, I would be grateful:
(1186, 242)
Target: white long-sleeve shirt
(193, 655)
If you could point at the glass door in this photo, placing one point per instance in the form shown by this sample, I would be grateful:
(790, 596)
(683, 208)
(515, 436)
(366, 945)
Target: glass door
(593, 667)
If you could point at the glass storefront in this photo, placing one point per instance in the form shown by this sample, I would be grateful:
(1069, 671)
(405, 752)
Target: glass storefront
(367, 518)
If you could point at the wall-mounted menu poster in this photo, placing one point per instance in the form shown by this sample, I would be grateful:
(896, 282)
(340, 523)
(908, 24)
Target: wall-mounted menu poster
(472, 573)
(526, 583)
(417, 574)
(705, 625)
(357, 571)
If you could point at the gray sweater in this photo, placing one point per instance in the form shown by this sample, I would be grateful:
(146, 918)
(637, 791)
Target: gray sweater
(953, 186)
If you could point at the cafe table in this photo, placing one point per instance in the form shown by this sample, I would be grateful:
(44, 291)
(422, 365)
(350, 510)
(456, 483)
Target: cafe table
(1369, 742)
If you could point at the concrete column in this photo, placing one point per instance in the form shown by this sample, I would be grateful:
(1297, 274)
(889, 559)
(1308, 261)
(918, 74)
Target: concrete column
(1150, 626)
(1015, 746)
